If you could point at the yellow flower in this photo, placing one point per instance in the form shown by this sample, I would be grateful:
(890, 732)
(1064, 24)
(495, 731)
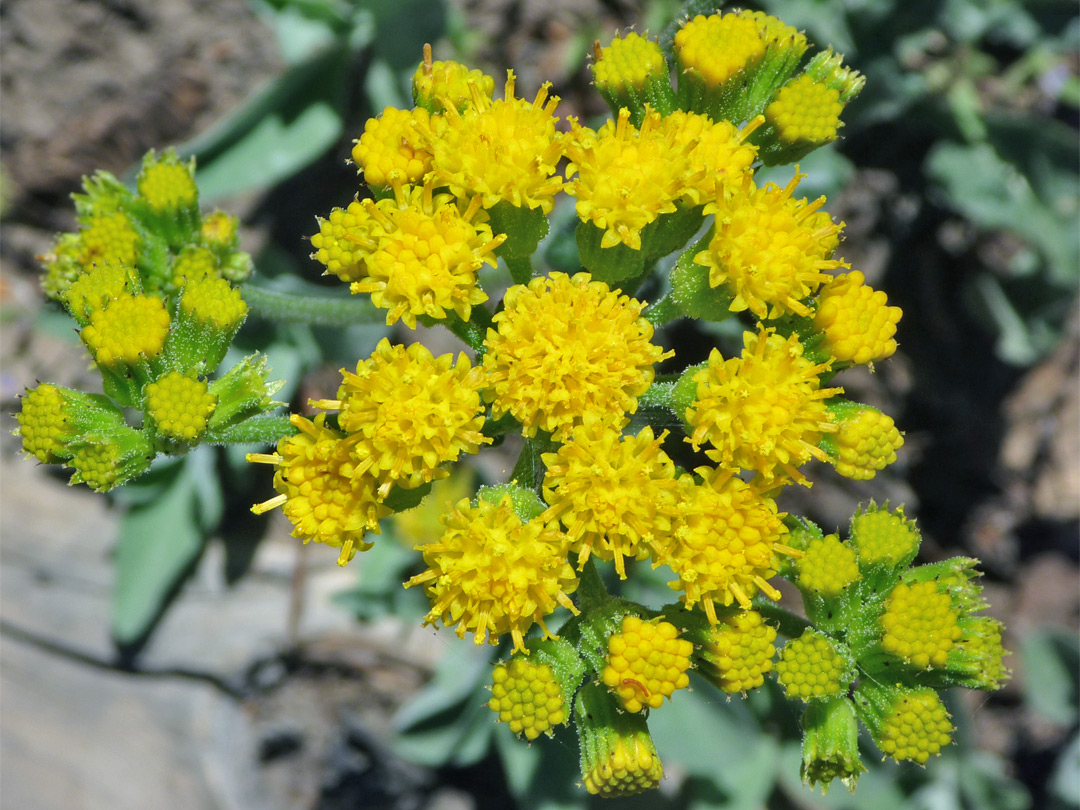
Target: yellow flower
(738, 652)
(166, 184)
(763, 411)
(500, 150)
(527, 697)
(725, 545)
(131, 328)
(646, 662)
(718, 147)
(719, 46)
(770, 250)
(882, 537)
(43, 424)
(392, 148)
(407, 412)
(857, 322)
(627, 177)
(865, 442)
(193, 264)
(220, 230)
(439, 85)
(827, 566)
(213, 302)
(920, 624)
(179, 406)
(320, 490)
(810, 668)
(568, 348)
(805, 110)
(612, 493)
(628, 63)
(105, 462)
(108, 239)
(906, 724)
(344, 241)
(428, 255)
(94, 289)
(492, 574)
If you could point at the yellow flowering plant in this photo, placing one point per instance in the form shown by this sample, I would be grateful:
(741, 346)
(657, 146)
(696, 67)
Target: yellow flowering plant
(621, 468)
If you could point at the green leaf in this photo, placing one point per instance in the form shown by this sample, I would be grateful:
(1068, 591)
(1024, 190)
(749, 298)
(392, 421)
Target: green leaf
(276, 133)
(157, 545)
(1051, 659)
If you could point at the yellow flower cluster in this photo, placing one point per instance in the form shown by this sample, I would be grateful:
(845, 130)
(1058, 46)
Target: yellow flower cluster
(857, 323)
(42, 423)
(920, 624)
(827, 566)
(805, 110)
(129, 330)
(810, 668)
(180, 406)
(628, 62)
(719, 46)
(739, 652)
(527, 697)
(864, 443)
(916, 728)
(883, 537)
(618, 756)
(646, 662)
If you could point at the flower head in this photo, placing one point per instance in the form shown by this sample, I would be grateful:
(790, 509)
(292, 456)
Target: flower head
(220, 231)
(612, 493)
(718, 147)
(94, 289)
(718, 47)
(805, 110)
(770, 250)
(866, 441)
(737, 652)
(500, 150)
(629, 176)
(392, 148)
(811, 668)
(763, 411)
(344, 241)
(108, 238)
(526, 695)
(628, 63)
(439, 85)
(856, 320)
(213, 303)
(920, 624)
(885, 538)
(827, 566)
(407, 411)
(646, 662)
(566, 349)
(180, 406)
(166, 184)
(130, 329)
(725, 544)
(193, 263)
(427, 256)
(906, 724)
(618, 756)
(492, 574)
(104, 462)
(320, 490)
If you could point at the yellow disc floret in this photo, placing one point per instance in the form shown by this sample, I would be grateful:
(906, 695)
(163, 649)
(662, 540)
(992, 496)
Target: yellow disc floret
(526, 696)
(917, 728)
(717, 147)
(498, 151)
(42, 424)
(805, 110)
(131, 328)
(319, 489)
(646, 662)
(612, 493)
(214, 302)
(407, 412)
(627, 177)
(770, 250)
(628, 63)
(920, 624)
(857, 322)
(739, 652)
(491, 574)
(827, 566)
(725, 544)
(568, 348)
(344, 241)
(180, 406)
(882, 537)
(763, 411)
(108, 239)
(392, 148)
(865, 443)
(717, 47)
(810, 668)
(427, 257)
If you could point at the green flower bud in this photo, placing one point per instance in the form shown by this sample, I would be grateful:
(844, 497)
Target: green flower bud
(831, 744)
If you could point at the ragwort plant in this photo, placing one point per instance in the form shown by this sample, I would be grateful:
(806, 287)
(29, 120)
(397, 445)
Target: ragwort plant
(567, 362)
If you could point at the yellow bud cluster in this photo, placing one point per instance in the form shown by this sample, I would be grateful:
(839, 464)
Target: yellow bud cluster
(647, 661)
(916, 728)
(805, 110)
(740, 652)
(344, 240)
(865, 443)
(131, 328)
(167, 185)
(527, 697)
(718, 47)
(179, 405)
(214, 302)
(920, 624)
(193, 264)
(97, 465)
(981, 640)
(95, 288)
(883, 537)
(810, 668)
(856, 320)
(827, 566)
(108, 239)
(219, 229)
(42, 424)
(628, 62)
(391, 148)
(436, 83)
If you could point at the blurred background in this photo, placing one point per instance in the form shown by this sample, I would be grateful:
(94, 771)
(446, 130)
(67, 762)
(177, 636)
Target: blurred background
(165, 649)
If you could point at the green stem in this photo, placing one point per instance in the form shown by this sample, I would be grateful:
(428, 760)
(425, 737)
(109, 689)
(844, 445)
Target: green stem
(787, 623)
(521, 269)
(473, 331)
(310, 308)
(663, 311)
